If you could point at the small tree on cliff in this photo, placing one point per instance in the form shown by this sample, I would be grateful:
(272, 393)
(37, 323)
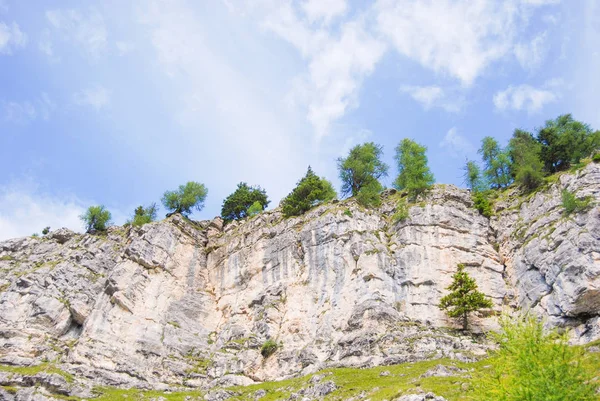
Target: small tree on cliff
(185, 198)
(464, 297)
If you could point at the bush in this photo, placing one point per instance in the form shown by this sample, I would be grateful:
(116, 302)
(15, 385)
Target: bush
(482, 203)
(46, 230)
(185, 198)
(255, 209)
(348, 213)
(96, 218)
(309, 192)
(596, 158)
(532, 364)
(236, 205)
(369, 195)
(571, 204)
(143, 215)
(401, 213)
(268, 348)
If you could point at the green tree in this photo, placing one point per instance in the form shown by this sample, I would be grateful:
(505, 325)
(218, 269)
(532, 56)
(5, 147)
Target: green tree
(464, 297)
(565, 141)
(413, 172)
(255, 209)
(46, 230)
(186, 198)
(143, 215)
(361, 167)
(535, 365)
(525, 163)
(496, 161)
(309, 192)
(472, 177)
(96, 218)
(236, 205)
(369, 194)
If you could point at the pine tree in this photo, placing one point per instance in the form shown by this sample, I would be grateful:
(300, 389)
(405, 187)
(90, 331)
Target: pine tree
(413, 172)
(464, 298)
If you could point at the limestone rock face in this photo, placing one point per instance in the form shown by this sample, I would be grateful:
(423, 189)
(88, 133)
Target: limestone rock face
(182, 303)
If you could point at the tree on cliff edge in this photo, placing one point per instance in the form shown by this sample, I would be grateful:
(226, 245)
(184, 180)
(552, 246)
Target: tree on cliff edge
(464, 297)
(185, 198)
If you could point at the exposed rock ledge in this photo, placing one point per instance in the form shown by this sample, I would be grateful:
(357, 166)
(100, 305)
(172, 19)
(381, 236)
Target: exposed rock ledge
(180, 303)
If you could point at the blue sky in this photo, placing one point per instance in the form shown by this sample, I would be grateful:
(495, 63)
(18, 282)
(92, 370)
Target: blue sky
(115, 102)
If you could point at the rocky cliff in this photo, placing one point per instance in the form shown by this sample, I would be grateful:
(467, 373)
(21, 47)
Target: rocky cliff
(183, 303)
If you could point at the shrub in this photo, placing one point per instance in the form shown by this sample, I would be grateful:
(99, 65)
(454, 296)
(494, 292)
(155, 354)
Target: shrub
(369, 195)
(537, 365)
(35, 235)
(46, 230)
(571, 204)
(482, 203)
(255, 209)
(596, 158)
(143, 215)
(348, 213)
(185, 198)
(268, 348)
(236, 205)
(309, 192)
(96, 218)
(361, 167)
(413, 172)
(401, 213)
(464, 298)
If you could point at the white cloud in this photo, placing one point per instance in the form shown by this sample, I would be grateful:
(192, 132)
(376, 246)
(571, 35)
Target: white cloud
(337, 63)
(541, 2)
(531, 55)
(124, 47)
(459, 38)
(17, 112)
(24, 112)
(97, 96)
(325, 10)
(25, 210)
(457, 144)
(11, 38)
(434, 96)
(46, 46)
(523, 97)
(86, 31)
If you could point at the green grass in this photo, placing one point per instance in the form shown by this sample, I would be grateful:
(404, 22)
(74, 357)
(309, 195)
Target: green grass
(32, 370)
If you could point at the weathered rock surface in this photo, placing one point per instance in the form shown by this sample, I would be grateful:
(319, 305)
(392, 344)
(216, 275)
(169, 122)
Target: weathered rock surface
(189, 304)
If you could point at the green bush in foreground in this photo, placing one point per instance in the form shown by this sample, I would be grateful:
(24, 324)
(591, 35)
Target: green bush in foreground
(96, 218)
(482, 203)
(535, 365)
(268, 348)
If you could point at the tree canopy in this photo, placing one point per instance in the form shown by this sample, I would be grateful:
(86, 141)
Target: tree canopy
(96, 218)
(186, 198)
(464, 297)
(525, 163)
(361, 167)
(565, 141)
(472, 176)
(236, 205)
(496, 162)
(309, 192)
(413, 172)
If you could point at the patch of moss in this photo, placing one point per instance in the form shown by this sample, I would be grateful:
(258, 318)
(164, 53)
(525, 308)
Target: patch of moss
(7, 258)
(32, 370)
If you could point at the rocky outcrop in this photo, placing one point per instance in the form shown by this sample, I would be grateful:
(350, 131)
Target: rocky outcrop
(190, 304)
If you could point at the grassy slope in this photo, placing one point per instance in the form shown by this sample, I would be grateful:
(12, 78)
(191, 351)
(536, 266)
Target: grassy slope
(403, 379)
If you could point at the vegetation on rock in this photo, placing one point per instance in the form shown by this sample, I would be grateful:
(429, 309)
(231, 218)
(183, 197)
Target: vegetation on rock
(360, 172)
(96, 218)
(571, 204)
(464, 297)
(310, 191)
(185, 198)
(414, 175)
(268, 348)
(237, 205)
(143, 215)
